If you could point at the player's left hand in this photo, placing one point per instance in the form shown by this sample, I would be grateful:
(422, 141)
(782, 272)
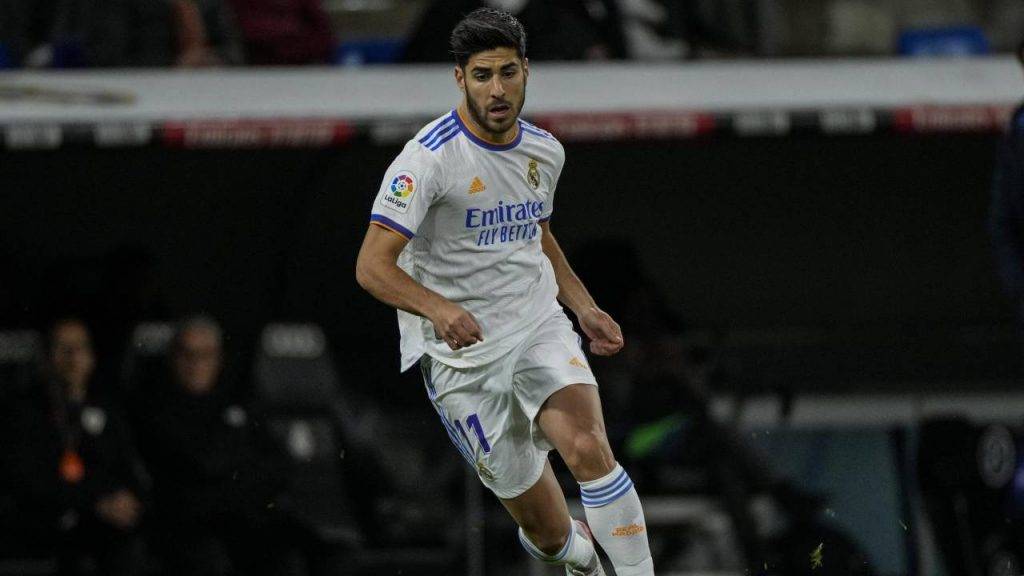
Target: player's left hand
(604, 333)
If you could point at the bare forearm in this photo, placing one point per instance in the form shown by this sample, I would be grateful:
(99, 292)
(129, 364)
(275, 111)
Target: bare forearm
(604, 333)
(571, 290)
(378, 273)
(392, 286)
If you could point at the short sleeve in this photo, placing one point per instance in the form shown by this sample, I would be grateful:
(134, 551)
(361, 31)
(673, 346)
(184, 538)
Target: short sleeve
(410, 186)
(555, 174)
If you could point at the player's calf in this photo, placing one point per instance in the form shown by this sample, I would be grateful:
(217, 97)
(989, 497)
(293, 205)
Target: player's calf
(617, 521)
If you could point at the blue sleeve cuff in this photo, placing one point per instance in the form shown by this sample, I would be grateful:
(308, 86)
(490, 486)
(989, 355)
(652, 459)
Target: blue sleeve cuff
(385, 222)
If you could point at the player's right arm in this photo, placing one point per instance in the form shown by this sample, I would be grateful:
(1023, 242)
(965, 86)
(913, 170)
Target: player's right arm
(377, 271)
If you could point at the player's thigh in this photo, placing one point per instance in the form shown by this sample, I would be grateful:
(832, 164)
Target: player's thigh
(555, 386)
(569, 412)
(571, 420)
(487, 426)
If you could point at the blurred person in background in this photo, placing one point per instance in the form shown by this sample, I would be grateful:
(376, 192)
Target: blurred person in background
(141, 33)
(285, 32)
(70, 460)
(206, 34)
(1006, 216)
(595, 25)
(215, 478)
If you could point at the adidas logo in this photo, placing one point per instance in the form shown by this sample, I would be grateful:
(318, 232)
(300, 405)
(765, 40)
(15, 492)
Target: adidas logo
(477, 185)
(577, 362)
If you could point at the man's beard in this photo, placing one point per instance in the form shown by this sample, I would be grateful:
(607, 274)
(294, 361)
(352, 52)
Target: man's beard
(480, 115)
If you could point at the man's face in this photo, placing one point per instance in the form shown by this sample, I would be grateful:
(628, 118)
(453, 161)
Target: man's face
(197, 360)
(71, 355)
(494, 82)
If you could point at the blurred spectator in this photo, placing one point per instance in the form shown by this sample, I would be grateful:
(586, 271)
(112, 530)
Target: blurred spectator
(648, 27)
(142, 33)
(215, 478)
(1006, 218)
(596, 32)
(72, 466)
(206, 34)
(284, 32)
(119, 290)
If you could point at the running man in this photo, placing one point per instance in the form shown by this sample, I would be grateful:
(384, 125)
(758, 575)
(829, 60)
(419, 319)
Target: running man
(460, 244)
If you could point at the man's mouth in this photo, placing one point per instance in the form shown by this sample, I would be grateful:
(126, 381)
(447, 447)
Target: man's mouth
(500, 110)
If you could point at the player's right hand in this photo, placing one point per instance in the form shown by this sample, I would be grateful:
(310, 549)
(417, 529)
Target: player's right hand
(457, 327)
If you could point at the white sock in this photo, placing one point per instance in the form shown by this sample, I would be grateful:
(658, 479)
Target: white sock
(577, 552)
(617, 522)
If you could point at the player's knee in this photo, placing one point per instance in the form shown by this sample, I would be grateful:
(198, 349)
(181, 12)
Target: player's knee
(589, 456)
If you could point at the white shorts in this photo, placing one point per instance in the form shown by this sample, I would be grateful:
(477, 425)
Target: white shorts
(489, 411)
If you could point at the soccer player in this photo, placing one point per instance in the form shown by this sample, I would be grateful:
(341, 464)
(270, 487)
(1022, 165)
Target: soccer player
(460, 244)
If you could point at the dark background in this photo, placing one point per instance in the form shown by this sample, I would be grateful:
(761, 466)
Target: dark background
(817, 262)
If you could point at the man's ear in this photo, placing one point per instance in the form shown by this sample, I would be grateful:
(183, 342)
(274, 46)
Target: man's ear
(460, 78)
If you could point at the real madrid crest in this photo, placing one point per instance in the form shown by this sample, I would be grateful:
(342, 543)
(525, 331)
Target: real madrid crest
(533, 175)
(484, 471)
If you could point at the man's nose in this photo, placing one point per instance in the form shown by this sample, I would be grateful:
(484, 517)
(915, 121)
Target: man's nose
(497, 88)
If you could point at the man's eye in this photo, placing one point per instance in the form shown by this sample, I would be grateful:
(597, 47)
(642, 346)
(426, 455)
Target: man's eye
(510, 73)
(480, 76)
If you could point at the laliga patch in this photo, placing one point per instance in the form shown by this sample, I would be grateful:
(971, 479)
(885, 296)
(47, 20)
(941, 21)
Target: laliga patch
(400, 191)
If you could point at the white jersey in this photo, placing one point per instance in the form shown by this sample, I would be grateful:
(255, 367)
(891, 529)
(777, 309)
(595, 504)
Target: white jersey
(471, 210)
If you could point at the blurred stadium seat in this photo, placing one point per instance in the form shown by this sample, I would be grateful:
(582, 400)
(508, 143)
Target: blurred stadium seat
(955, 41)
(370, 51)
(295, 383)
(146, 356)
(20, 351)
(339, 466)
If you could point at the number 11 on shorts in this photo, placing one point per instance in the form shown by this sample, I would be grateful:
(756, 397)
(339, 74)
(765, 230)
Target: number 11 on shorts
(474, 422)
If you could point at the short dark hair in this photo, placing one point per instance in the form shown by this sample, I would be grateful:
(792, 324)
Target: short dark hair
(1020, 52)
(487, 29)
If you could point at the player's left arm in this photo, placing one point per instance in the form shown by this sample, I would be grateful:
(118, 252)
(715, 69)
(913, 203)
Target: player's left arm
(604, 333)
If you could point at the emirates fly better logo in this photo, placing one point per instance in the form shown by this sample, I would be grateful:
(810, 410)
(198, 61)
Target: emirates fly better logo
(402, 187)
